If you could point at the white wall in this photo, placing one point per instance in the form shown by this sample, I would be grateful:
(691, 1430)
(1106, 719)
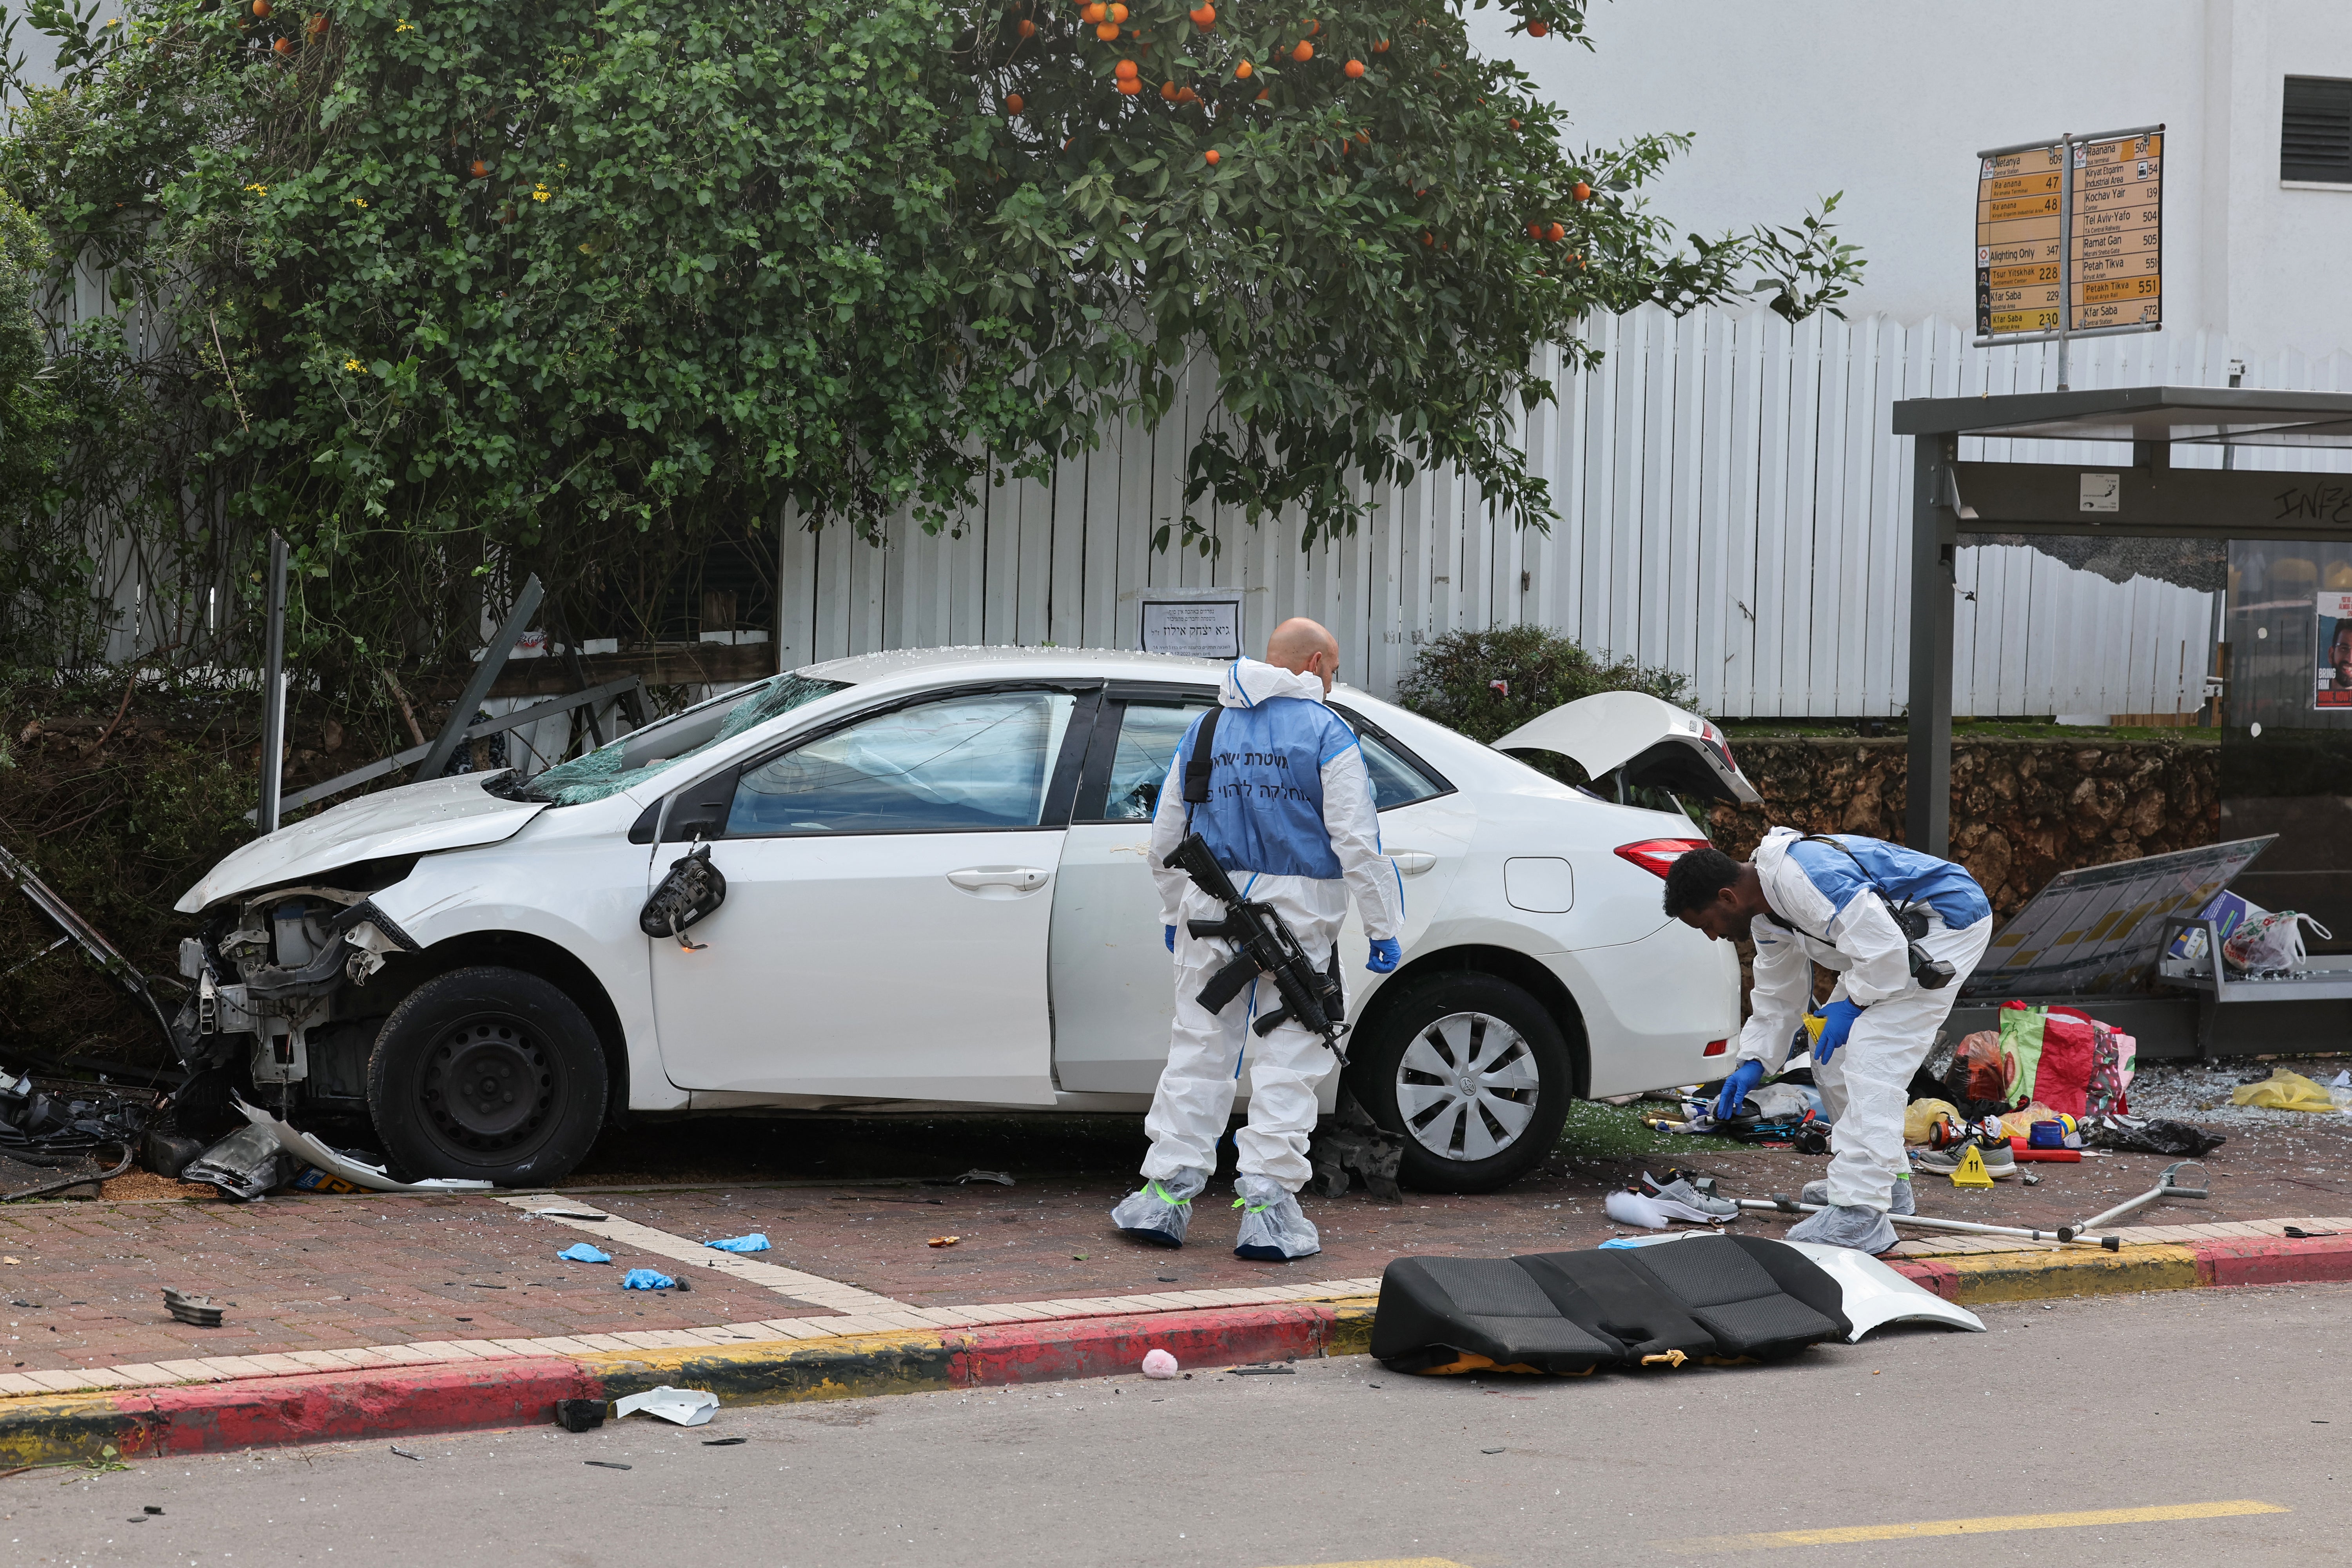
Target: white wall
(1890, 100)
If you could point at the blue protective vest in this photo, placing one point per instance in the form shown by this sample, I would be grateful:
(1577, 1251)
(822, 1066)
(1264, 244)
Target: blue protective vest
(1265, 810)
(1905, 875)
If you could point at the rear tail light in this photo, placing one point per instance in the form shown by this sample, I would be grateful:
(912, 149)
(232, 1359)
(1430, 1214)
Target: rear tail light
(1716, 1048)
(1655, 855)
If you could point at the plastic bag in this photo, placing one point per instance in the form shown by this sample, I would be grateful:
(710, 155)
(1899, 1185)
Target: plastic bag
(2269, 943)
(1921, 1116)
(1977, 1071)
(2283, 1091)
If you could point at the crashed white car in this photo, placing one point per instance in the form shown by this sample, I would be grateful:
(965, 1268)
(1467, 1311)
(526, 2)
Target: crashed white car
(935, 896)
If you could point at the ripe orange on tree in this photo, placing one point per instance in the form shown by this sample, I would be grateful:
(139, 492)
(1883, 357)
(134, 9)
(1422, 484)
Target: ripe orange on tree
(1354, 68)
(1118, 12)
(1580, 190)
(261, 7)
(1212, 156)
(480, 170)
(1381, 47)
(1204, 17)
(1538, 29)
(316, 27)
(1125, 70)
(1028, 29)
(284, 46)
(1014, 103)
(1305, 51)
(1130, 87)
(1535, 231)
(1096, 12)
(1241, 72)
(1556, 233)
(1107, 31)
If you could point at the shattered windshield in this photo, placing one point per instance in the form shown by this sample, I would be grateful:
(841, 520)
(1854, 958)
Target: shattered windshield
(640, 755)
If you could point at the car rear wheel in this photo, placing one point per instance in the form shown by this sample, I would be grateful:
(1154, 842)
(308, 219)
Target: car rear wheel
(487, 1073)
(1472, 1073)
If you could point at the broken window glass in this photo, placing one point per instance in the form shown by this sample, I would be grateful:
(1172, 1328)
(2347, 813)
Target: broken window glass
(641, 754)
(982, 761)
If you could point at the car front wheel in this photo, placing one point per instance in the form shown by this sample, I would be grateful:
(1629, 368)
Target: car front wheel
(487, 1073)
(1474, 1075)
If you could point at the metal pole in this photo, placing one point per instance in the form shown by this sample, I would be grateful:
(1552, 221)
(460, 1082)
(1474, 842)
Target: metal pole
(1960, 1226)
(1927, 811)
(494, 659)
(273, 690)
(2065, 250)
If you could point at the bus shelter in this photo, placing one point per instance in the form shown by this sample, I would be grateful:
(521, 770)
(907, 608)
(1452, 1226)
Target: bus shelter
(2149, 496)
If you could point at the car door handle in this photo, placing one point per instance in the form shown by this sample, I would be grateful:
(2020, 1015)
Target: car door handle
(1019, 878)
(1412, 862)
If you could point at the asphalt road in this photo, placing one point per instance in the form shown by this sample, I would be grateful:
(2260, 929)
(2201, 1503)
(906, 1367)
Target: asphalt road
(2172, 1401)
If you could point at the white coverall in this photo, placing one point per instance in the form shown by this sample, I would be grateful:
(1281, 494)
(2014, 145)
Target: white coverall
(1206, 1051)
(1865, 1086)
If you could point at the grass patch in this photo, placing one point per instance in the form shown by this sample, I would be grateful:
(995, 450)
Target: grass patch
(1597, 1131)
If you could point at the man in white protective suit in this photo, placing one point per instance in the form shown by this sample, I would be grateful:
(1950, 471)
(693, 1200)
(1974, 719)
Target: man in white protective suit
(1289, 815)
(1836, 901)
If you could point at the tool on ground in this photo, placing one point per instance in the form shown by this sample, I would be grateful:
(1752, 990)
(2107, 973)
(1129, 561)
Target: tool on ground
(1261, 945)
(1778, 1205)
(2299, 1234)
(2167, 1185)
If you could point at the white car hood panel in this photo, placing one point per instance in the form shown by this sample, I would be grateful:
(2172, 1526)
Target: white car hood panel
(414, 819)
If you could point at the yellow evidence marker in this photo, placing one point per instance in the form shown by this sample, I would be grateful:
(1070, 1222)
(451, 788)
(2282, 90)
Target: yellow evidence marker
(1971, 1170)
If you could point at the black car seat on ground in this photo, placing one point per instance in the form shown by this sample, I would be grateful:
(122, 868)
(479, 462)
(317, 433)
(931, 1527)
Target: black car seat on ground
(1707, 1297)
(1608, 1294)
(1759, 1297)
(1460, 1314)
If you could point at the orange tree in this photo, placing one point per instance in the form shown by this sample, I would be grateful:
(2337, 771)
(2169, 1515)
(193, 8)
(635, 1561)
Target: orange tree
(587, 283)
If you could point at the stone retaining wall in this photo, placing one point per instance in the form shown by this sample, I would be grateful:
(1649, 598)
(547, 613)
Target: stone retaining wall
(2023, 811)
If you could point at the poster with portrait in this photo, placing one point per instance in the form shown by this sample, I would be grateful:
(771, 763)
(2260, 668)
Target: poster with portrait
(2335, 643)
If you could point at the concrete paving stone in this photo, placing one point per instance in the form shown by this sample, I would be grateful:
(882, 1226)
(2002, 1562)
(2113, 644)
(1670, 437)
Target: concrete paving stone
(606, 1342)
(487, 1350)
(556, 1345)
(15, 1382)
(276, 1363)
(801, 1328)
(441, 1350)
(233, 1366)
(141, 1374)
(189, 1371)
(62, 1382)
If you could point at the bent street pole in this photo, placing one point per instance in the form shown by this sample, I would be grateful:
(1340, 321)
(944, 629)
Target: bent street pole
(1928, 785)
(486, 673)
(273, 690)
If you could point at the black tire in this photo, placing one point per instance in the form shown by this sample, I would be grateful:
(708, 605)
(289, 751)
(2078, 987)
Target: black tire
(490, 1074)
(1445, 1150)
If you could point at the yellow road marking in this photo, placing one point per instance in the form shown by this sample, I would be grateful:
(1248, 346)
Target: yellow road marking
(1994, 1524)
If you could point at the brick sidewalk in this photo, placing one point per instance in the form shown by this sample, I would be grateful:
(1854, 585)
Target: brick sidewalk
(319, 1273)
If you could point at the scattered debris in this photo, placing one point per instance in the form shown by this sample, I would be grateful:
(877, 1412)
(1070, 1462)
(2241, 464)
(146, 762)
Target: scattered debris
(2155, 1136)
(755, 1242)
(2300, 1234)
(581, 1252)
(1158, 1364)
(1490, 1450)
(1272, 1369)
(1077, 1258)
(679, 1407)
(564, 1213)
(351, 1167)
(202, 1311)
(404, 1453)
(580, 1415)
(608, 1464)
(150, 1509)
(999, 1177)
(944, 1240)
(648, 1279)
(243, 1165)
(723, 1442)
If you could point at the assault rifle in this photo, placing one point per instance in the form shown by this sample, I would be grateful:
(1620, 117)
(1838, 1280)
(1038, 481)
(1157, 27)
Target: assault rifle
(1261, 945)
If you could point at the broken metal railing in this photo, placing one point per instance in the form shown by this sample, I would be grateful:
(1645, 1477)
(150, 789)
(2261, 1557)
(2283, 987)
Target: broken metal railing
(63, 918)
(595, 697)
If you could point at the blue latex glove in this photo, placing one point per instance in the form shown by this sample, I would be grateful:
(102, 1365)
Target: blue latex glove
(755, 1242)
(1837, 1023)
(581, 1252)
(1167, 935)
(1386, 955)
(1735, 1087)
(646, 1279)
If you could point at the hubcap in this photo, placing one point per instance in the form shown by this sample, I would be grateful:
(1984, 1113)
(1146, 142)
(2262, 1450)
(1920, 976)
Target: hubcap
(489, 1084)
(1467, 1086)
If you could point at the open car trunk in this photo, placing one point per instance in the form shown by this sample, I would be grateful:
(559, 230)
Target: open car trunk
(1652, 743)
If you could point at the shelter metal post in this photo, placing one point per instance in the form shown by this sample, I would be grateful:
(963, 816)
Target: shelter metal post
(486, 673)
(1927, 823)
(273, 690)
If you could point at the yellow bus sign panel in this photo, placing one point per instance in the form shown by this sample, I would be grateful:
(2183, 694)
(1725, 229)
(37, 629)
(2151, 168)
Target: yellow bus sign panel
(2070, 236)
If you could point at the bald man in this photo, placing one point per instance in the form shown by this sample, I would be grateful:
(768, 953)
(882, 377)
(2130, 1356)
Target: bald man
(1290, 818)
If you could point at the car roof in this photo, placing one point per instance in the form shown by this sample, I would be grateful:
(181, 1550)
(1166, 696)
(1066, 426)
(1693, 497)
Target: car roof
(858, 669)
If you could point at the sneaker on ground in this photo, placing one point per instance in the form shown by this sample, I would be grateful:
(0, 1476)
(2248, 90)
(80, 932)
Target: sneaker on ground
(1682, 1201)
(2000, 1161)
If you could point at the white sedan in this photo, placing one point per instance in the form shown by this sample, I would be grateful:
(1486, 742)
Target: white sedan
(935, 896)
